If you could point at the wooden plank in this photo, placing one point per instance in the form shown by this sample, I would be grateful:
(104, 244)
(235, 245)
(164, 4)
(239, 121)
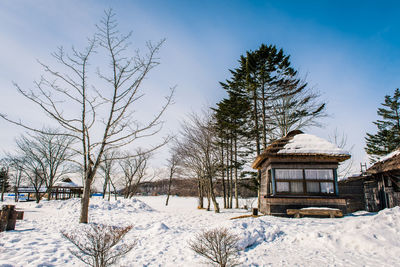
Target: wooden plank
(315, 212)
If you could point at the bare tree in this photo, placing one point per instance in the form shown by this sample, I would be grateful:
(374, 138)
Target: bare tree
(198, 151)
(4, 178)
(48, 153)
(105, 120)
(107, 168)
(340, 140)
(135, 169)
(96, 245)
(15, 164)
(173, 165)
(35, 177)
(192, 166)
(218, 246)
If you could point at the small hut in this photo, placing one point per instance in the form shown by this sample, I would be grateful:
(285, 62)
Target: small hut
(382, 184)
(299, 171)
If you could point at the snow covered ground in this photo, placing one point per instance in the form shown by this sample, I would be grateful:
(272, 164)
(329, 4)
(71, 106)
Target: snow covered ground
(361, 239)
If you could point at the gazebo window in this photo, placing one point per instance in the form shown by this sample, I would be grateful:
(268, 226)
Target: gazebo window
(327, 188)
(323, 174)
(314, 181)
(289, 180)
(313, 187)
(282, 186)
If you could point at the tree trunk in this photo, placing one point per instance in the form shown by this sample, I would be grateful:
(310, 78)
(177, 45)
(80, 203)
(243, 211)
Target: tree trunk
(16, 194)
(37, 195)
(200, 192)
(236, 176)
(227, 175)
(231, 175)
(3, 189)
(264, 116)
(115, 190)
(109, 190)
(258, 189)
(208, 200)
(256, 126)
(85, 199)
(223, 175)
(169, 190)
(211, 189)
(49, 189)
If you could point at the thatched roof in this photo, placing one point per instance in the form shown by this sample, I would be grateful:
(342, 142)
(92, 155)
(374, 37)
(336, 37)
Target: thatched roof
(390, 162)
(300, 145)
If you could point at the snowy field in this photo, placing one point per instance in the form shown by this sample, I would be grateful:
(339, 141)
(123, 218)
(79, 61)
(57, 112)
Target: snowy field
(362, 239)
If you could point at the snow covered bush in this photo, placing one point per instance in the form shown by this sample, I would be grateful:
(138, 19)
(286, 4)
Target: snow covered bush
(96, 244)
(218, 246)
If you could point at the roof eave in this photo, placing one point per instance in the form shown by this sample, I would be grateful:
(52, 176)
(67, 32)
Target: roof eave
(261, 158)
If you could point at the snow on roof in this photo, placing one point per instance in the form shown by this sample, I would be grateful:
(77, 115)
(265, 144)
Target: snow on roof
(66, 184)
(390, 155)
(311, 144)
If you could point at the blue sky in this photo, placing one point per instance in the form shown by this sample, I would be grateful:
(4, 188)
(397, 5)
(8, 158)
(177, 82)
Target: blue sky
(349, 51)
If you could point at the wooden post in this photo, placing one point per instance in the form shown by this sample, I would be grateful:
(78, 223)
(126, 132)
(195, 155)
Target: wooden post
(8, 218)
(273, 181)
(255, 211)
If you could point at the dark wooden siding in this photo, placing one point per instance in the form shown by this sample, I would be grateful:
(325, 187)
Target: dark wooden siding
(278, 205)
(353, 192)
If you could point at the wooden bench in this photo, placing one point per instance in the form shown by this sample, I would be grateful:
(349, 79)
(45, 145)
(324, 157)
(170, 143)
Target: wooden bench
(298, 213)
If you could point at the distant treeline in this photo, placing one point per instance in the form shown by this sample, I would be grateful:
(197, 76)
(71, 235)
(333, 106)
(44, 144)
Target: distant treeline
(189, 187)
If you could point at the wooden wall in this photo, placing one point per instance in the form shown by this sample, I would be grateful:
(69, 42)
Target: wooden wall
(353, 191)
(278, 205)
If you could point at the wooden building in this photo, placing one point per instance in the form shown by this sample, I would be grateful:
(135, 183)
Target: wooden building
(376, 189)
(64, 189)
(352, 189)
(382, 184)
(299, 171)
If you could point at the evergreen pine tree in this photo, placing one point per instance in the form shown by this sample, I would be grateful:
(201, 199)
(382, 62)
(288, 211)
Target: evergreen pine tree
(278, 100)
(231, 119)
(387, 137)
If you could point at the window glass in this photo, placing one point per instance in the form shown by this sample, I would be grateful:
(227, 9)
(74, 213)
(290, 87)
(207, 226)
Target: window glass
(282, 187)
(319, 174)
(287, 174)
(327, 188)
(296, 187)
(312, 187)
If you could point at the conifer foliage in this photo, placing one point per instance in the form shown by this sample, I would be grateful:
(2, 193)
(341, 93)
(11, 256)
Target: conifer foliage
(266, 99)
(387, 137)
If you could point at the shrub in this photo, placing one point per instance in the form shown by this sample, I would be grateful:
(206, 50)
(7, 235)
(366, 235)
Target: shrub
(218, 246)
(96, 244)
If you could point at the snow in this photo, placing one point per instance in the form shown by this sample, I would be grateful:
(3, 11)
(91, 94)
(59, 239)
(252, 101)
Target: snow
(310, 144)
(390, 155)
(360, 239)
(319, 208)
(66, 184)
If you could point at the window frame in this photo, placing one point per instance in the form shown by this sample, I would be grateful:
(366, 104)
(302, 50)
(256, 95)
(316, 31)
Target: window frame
(304, 182)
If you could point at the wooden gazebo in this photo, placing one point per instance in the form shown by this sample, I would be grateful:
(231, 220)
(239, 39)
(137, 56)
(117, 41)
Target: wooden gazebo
(64, 189)
(299, 171)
